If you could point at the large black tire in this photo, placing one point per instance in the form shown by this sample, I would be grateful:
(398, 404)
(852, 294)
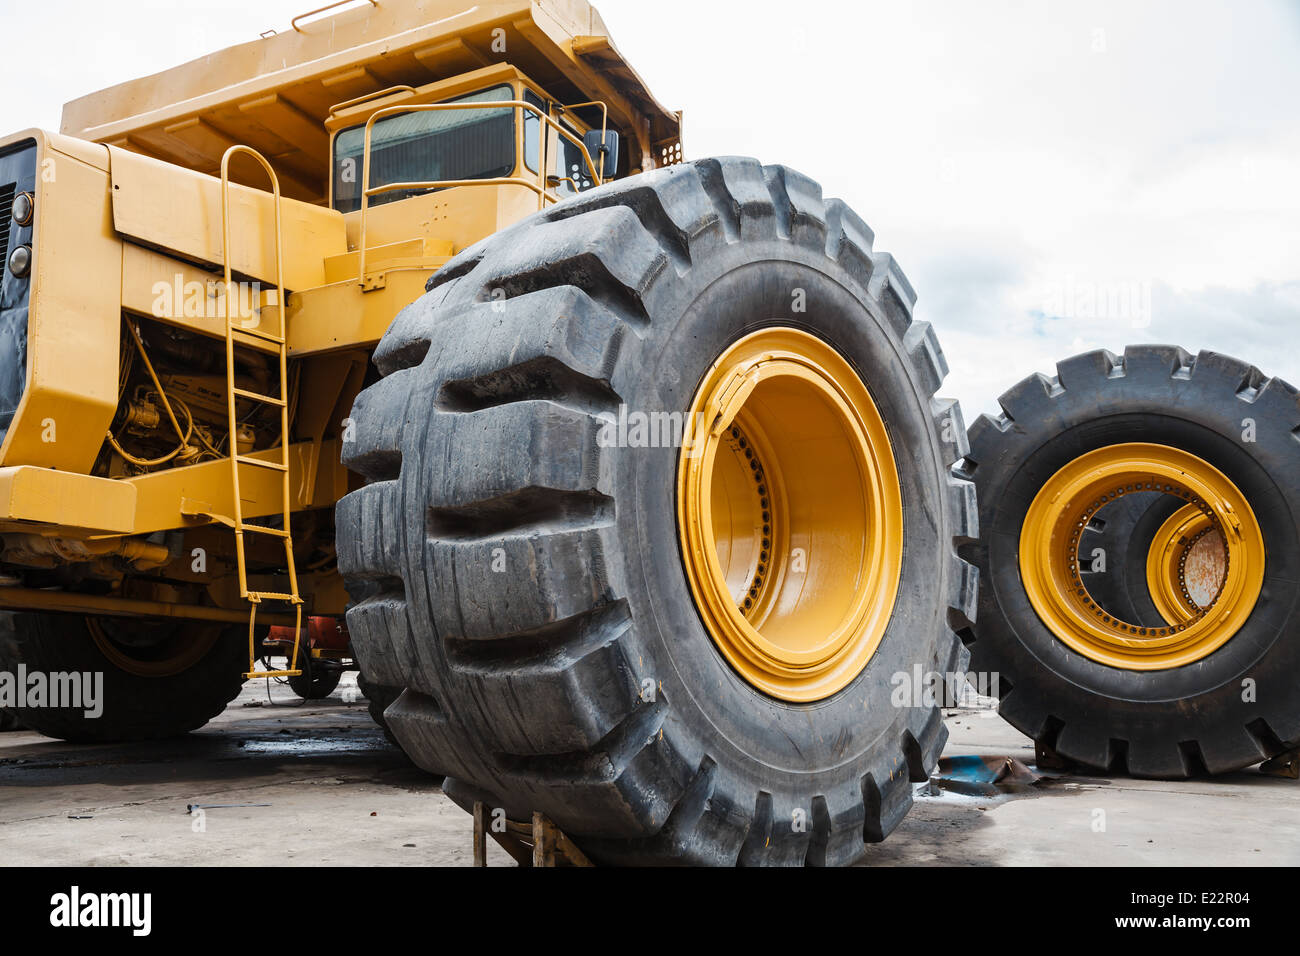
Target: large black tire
(527, 688)
(134, 707)
(1179, 721)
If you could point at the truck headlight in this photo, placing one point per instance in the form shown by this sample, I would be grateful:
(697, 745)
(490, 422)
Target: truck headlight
(20, 261)
(24, 206)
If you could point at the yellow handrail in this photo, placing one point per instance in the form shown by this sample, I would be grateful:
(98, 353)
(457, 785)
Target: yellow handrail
(279, 339)
(538, 187)
(365, 97)
(604, 125)
(329, 6)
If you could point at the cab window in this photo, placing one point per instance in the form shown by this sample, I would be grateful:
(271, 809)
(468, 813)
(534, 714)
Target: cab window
(425, 145)
(564, 159)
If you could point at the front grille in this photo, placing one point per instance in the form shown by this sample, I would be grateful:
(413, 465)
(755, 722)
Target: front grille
(6, 213)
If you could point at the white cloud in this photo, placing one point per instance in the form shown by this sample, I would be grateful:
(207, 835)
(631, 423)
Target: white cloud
(1003, 149)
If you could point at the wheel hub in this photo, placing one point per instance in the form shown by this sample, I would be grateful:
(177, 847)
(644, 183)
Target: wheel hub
(790, 514)
(1205, 567)
(175, 649)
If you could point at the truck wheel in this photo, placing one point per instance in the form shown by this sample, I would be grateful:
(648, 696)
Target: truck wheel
(318, 678)
(159, 679)
(1209, 683)
(661, 522)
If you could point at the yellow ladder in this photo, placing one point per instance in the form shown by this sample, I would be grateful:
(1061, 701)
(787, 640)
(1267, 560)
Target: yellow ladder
(281, 401)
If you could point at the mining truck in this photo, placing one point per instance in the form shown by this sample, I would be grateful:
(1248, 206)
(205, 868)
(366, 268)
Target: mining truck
(623, 475)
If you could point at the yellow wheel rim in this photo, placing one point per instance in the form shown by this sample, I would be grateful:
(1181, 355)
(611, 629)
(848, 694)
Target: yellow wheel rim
(175, 654)
(1050, 568)
(790, 514)
(1186, 566)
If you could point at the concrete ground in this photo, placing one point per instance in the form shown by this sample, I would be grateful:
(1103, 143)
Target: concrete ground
(1239, 819)
(330, 790)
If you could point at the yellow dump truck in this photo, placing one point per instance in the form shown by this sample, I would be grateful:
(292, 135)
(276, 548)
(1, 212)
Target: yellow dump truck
(625, 473)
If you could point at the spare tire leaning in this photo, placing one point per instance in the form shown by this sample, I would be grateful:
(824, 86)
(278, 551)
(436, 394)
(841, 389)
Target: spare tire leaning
(568, 601)
(1211, 685)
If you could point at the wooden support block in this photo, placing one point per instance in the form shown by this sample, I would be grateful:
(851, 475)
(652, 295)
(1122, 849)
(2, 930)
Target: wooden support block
(539, 843)
(480, 834)
(514, 846)
(543, 841)
(569, 849)
(1285, 765)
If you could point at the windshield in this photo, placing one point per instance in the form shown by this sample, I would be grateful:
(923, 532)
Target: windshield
(426, 145)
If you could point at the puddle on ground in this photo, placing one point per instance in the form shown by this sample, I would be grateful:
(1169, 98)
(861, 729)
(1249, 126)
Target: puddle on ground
(193, 751)
(303, 746)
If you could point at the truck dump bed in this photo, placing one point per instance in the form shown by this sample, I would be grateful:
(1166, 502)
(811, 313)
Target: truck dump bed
(275, 93)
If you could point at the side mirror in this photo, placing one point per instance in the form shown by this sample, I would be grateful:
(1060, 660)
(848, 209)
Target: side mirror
(608, 148)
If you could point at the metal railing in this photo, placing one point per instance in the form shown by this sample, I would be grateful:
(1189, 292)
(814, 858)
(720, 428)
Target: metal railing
(539, 186)
(604, 128)
(329, 6)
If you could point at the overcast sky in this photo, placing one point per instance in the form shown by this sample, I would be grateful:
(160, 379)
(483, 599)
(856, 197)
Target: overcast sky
(1053, 177)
